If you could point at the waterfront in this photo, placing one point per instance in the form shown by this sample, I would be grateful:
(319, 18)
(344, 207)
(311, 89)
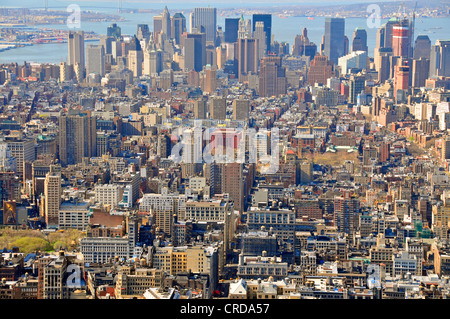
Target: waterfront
(284, 29)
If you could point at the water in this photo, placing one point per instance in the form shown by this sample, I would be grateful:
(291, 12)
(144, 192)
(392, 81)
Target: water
(284, 29)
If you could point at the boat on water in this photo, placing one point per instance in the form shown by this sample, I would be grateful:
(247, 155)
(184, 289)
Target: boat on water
(282, 17)
(310, 18)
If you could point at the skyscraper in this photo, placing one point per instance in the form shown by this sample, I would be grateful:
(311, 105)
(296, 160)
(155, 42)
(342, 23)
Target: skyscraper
(95, 56)
(76, 51)
(267, 20)
(401, 45)
(320, 70)
(334, 38)
(420, 71)
(247, 57)
(233, 184)
(206, 17)
(114, 31)
(359, 41)
(218, 108)
(77, 137)
(178, 26)
(401, 78)
(165, 23)
(272, 77)
(422, 47)
(135, 57)
(261, 36)
(52, 198)
(231, 29)
(195, 51)
(346, 213)
(440, 59)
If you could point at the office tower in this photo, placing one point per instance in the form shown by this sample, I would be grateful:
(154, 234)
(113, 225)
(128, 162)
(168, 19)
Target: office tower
(272, 77)
(382, 63)
(303, 47)
(76, 53)
(200, 109)
(108, 194)
(106, 42)
(241, 109)
(247, 58)
(221, 57)
(195, 51)
(267, 21)
(420, 70)
(23, 150)
(166, 79)
(422, 47)
(206, 17)
(52, 198)
(157, 24)
(359, 41)
(346, 214)
(135, 57)
(320, 70)
(306, 172)
(356, 59)
(114, 31)
(445, 149)
(218, 108)
(357, 85)
(261, 36)
(401, 78)
(165, 23)
(77, 137)
(95, 58)
(231, 30)
(401, 45)
(210, 80)
(233, 184)
(334, 38)
(244, 28)
(153, 62)
(142, 32)
(388, 32)
(440, 59)
(178, 27)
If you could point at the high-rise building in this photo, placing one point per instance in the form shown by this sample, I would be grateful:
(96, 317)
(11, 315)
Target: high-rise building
(142, 32)
(420, 70)
(95, 57)
(359, 41)
(261, 36)
(206, 17)
(241, 109)
(200, 109)
(357, 84)
(165, 23)
(114, 31)
(302, 46)
(267, 21)
(440, 59)
(52, 198)
(233, 184)
(77, 137)
(209, 80)
(422, 47)
(401, 45)
(218, 108)
(231, 30)
(356, 59)
(76, 52)
(320, 70)
(178, 27)
(334, 46)
(401, 78)
(195, 51)
(272, 77)
(153, 62)
(247, 57)
(135, 57)
(346, 214)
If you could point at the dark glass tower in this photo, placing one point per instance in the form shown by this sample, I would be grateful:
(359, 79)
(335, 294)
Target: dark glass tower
(231, 29)
(334, 46)
(267, 20)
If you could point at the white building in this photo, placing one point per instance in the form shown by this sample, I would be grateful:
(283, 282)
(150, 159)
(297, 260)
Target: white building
(356, 59)
(108, 194)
